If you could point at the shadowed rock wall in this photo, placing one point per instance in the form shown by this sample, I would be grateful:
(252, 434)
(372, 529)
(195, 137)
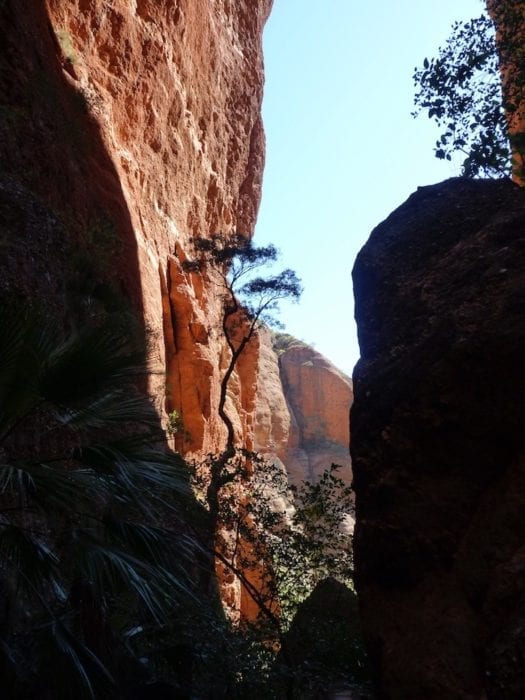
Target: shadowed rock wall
(438, 444)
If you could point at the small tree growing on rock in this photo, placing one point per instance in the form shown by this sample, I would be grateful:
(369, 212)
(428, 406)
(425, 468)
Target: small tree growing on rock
(460, 90)
(249, 299)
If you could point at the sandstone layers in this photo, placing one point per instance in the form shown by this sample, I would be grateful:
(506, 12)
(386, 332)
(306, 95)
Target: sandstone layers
(438, 444)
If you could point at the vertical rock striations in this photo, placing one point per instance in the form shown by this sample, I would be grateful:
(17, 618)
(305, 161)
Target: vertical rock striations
(144, 115)
(438, 444)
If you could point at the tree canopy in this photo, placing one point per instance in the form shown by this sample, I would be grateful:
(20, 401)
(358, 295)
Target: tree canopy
(460, 90)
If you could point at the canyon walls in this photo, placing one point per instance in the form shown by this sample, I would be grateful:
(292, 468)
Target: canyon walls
(128, 128)
(138, 123)
(438, 444)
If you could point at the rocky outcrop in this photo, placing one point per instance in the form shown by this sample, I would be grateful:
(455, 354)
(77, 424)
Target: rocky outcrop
(142, 119)
(302, 407)
(324, 642)
(509, 19)
(438, 444)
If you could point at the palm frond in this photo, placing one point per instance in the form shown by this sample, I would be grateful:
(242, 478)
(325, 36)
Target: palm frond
(158, 546)
(28, 557)
(115, 407)
(149, 543)
(20, 367)
(53, 489)
(112, 569)
(173, 555)
(84, 666)
(15, 481)
(136, 464)
(88, 363)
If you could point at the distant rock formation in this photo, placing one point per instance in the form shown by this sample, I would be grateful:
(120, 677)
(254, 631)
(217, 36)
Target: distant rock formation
(438, 444)
(302, 408)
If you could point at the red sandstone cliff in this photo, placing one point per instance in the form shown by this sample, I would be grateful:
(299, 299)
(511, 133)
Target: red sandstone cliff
(128, 128)
(302, 408)
(146, 114)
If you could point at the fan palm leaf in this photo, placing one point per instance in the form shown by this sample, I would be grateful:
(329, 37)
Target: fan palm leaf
(84, 484)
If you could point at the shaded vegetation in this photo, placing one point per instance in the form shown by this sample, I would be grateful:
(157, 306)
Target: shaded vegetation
(92, 548)
(105, 556)
(281, 342)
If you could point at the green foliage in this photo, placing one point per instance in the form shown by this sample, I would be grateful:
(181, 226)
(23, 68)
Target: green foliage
(66, 45)
(282, 542)
(281, 342)
(304, 530)
(85, 502)
(175, 423)
(234, 262)
(461, 90)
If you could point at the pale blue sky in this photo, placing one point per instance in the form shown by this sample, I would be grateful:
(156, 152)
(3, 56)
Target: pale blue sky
(342, 148)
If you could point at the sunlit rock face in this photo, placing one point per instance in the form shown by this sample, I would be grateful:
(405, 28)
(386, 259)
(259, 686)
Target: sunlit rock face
(302, 409)
(438, 443)
(145, 114)
(509, 19)
(129, 127)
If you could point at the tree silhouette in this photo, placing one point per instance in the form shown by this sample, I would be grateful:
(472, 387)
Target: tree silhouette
(461, 90)
(248, 300)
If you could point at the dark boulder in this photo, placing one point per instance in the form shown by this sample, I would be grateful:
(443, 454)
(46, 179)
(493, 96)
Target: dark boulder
(438, 438)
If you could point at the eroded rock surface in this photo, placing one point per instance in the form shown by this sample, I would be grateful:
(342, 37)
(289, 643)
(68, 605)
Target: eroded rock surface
(129, 127)
(438, 444)
(302, 409)
(145, 116)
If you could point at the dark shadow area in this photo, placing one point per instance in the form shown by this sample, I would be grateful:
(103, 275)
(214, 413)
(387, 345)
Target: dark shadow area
(66, 226)
(68, 253)
(325, 646)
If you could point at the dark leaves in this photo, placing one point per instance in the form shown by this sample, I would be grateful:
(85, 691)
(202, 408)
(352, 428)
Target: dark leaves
(84, 482)
(461, 91)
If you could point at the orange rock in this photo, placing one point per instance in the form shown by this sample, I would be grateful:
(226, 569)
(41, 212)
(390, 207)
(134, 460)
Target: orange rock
(147, 114)
(175, 90)
(509, 19)
(303, 405)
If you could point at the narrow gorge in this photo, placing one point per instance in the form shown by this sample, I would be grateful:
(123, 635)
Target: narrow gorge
(130, 130)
